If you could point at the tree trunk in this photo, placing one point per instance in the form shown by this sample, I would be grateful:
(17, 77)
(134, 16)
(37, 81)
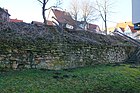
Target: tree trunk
(43, 13)
(85, 23)
(76, 22)
(105, 24)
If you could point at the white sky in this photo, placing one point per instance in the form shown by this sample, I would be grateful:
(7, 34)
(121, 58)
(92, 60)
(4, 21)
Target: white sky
(30, 10)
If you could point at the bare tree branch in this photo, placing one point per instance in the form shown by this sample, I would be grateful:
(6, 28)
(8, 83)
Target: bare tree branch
(83, 9)
(44, 3)
(50, 7)
(104, 9)
(74, 9)
(88, 12)
(40, 1)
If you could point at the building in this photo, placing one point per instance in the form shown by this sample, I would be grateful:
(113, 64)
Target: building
(64, 19)
(4, 15)
(127, 28)
(16, 20)
(37, 23)
(110, 30)
(49, 23)
(124, 24)
(93, 28)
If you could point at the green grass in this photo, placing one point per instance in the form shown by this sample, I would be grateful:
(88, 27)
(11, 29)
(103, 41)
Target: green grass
(95, 79)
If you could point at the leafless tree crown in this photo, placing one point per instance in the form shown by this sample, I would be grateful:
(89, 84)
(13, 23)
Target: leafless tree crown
(84, 9)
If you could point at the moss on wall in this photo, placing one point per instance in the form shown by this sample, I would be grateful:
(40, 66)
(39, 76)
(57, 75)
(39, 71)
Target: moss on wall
(34, 47)
(63, 56)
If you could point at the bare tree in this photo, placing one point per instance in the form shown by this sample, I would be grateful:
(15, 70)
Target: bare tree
(44, 3)
(88, 11)
(74, 9)
(83, 9)
(104, 8)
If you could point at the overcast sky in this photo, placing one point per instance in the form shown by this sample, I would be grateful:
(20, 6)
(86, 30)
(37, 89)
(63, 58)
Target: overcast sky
(29, 10)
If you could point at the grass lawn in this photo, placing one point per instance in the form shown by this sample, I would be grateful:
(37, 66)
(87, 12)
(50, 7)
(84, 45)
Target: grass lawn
(95, 79)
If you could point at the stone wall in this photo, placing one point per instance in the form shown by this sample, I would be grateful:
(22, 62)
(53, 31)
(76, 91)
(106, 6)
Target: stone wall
(63, 56)
(30, 46)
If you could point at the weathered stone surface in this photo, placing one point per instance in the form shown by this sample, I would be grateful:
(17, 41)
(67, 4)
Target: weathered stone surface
(36, 48)
(72, 58)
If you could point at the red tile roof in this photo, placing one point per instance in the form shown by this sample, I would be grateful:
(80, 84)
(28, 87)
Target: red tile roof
(123, 29)
(93, 26)
(50, 23)
(63, 17)
(40, 23)
(132, 29)
(15, 20)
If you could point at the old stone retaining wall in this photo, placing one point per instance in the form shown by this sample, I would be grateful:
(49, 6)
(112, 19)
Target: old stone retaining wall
(30, 46)
(62, 56)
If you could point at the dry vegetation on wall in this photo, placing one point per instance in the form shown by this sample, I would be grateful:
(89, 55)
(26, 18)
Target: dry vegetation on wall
(33, 46)
(27, 34)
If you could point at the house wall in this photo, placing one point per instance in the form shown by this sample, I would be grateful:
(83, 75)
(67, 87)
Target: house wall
(4, 16)
(128, 32)
(49, 15)
(118, 29)
(97, 30)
